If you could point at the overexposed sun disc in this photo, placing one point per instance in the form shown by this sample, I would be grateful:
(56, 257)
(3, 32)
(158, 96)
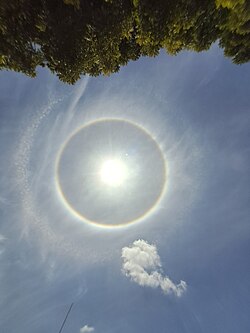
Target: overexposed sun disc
(113, 172)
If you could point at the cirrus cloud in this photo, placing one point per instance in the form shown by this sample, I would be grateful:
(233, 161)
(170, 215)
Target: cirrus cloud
(142, 264)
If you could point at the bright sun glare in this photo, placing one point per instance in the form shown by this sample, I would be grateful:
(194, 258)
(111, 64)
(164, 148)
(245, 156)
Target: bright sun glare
(113, 172)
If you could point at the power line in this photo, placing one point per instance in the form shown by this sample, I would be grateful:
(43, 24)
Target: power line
(66, 317)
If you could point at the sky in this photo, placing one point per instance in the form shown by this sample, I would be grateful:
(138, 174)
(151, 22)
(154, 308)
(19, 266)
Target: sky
(182, 263)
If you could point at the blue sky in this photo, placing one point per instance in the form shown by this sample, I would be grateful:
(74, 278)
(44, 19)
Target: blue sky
(197, 108)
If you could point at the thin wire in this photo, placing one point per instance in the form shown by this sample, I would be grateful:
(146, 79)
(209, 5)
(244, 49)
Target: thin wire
(66, 318)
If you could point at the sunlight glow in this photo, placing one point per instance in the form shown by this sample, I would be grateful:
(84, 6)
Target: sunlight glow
(113, 172)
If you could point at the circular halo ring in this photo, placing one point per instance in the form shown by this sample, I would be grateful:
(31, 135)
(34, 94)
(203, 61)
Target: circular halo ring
(81, 217)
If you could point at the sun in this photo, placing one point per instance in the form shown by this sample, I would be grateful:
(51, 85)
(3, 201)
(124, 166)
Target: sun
(113, 172)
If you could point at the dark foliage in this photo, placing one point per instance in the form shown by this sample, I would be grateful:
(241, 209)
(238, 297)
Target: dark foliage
(75, 37)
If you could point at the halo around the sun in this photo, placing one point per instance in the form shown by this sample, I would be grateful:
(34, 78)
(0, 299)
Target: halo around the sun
(111, 173)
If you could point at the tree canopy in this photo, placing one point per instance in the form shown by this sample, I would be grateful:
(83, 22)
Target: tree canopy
(76, 37)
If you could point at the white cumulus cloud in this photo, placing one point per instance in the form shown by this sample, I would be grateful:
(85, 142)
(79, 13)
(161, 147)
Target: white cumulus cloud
(142, 264)
(86, 329)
